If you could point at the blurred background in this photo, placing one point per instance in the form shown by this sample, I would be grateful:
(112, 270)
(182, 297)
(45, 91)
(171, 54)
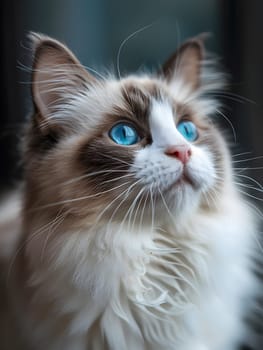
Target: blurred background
(95, 29)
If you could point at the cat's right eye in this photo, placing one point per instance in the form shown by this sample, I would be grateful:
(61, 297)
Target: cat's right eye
(124, 134)
(188, 130)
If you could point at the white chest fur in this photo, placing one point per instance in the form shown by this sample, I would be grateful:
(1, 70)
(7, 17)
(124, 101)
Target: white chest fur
(150, 289)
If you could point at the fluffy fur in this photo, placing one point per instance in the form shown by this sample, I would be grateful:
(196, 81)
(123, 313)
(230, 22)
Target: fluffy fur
(126, 247)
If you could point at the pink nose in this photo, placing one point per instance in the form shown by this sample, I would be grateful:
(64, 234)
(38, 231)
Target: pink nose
(182, 153)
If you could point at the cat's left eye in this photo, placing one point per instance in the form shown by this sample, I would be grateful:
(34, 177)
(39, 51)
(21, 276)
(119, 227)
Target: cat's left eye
(188, 130)
(124, 134)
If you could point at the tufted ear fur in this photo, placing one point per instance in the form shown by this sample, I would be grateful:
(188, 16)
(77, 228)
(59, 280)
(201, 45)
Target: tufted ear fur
(185, 63)
(56, 75)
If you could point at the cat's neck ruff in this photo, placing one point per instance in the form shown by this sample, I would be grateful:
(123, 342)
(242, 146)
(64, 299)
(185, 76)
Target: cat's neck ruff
(148, 279)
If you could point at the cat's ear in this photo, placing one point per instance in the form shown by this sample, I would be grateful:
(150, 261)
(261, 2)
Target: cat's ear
(56, 74)
(185, 64)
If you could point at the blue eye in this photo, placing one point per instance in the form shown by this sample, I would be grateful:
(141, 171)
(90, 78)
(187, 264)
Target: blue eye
(124, 134)
(188, 130)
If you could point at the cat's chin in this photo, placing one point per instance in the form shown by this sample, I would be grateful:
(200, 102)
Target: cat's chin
(184, 183)
(187, 181)
(182, 196)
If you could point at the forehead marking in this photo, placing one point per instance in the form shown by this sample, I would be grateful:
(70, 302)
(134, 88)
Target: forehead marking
(162, 125)
(137, 102)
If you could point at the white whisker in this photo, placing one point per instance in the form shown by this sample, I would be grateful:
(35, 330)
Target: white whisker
(139, 196)
(165, 204)
(230, 123)
(124, 194)
(99, 172)
(250, 195)
(53, 227)
(241, 154)
(67, 201)
(251, 179)
(34, 235)
(123, 44)
(249, 186)
(247, 159)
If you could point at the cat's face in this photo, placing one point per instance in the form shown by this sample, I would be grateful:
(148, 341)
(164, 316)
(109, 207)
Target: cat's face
(132, 149)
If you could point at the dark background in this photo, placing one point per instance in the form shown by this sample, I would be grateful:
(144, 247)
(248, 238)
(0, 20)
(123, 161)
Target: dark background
(94, 30)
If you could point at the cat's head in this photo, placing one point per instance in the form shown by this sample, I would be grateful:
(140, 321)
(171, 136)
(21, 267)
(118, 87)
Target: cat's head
(131, 149)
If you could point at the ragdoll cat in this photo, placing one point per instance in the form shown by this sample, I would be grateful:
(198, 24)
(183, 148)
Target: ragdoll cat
(134, 235)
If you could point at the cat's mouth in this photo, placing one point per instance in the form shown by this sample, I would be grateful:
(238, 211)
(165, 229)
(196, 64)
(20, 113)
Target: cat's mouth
(186, 179)
(183, 181)
(173, 179)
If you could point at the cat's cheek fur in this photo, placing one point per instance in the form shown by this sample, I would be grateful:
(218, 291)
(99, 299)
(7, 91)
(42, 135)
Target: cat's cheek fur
(201, 169)
(155, 170)
(159, 173)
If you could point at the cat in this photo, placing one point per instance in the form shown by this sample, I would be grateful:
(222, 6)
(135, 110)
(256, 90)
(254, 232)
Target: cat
(133, 234)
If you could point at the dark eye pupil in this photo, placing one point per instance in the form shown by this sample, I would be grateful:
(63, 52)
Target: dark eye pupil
(124, 132)
(188, 130)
